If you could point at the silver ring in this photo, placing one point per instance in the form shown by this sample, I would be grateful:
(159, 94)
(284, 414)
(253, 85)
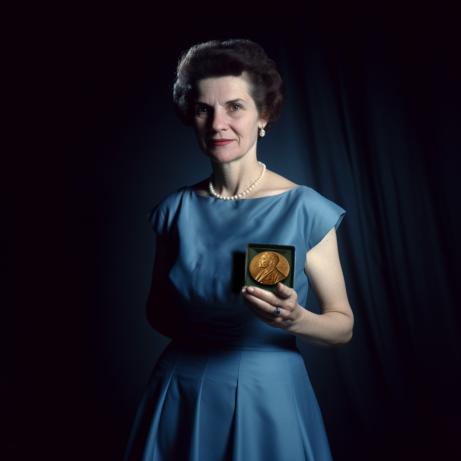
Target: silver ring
(276, 311)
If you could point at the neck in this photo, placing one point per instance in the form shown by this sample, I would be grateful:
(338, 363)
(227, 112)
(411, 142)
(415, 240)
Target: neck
(234, 177)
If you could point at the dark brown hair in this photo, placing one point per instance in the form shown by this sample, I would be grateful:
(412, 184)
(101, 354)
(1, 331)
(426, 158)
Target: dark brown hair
(219, 58)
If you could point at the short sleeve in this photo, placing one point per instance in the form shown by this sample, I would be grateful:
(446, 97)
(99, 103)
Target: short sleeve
(157, 220)
(323, 214)
(162, 216)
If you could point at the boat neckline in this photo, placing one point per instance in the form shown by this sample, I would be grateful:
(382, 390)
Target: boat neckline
(209, 197)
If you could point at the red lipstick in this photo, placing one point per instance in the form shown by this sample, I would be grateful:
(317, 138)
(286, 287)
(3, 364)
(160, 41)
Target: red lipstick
(220, 142)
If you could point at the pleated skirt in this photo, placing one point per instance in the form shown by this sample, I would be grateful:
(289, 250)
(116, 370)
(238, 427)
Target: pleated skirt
(228, 404)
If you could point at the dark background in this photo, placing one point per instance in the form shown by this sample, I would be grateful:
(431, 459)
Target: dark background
(371, 121)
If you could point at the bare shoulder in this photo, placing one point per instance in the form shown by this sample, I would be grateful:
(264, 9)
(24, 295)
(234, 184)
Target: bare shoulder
(274, 183)
(279, 182)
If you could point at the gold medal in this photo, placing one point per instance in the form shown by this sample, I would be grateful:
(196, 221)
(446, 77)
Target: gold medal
(269, 267)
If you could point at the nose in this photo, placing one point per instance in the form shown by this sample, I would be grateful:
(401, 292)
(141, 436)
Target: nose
(219, 120)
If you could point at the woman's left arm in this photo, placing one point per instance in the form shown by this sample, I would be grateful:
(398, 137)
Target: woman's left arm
(333, 326)
(335, 323)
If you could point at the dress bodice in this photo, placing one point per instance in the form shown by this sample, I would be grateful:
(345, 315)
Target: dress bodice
(199, 295)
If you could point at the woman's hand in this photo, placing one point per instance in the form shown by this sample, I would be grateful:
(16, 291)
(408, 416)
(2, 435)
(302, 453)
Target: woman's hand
(264, 303)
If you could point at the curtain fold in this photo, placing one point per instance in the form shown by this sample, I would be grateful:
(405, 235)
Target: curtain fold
(369, 117)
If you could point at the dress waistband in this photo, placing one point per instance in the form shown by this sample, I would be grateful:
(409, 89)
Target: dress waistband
(200, 343)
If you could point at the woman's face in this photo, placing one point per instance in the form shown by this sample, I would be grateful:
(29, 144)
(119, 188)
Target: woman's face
(226, 119)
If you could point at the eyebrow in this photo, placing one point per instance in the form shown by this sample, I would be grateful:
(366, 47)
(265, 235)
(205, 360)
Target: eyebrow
(227, 102)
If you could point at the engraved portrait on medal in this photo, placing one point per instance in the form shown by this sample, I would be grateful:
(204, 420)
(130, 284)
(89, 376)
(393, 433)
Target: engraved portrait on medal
(266, 264)
(269, 267)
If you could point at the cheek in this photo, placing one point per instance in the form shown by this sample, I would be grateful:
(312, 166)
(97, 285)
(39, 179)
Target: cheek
(200, 136)
(245, 129)
(198, 128)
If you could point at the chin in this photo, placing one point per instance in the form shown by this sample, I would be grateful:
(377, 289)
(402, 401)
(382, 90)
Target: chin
(223, 157)
(223, 161)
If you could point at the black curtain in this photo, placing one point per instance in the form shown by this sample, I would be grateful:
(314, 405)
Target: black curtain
(371, 121)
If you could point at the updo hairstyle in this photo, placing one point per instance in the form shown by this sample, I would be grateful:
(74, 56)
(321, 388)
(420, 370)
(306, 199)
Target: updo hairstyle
(220, 58)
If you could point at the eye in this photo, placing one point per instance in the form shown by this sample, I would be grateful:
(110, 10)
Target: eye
(201, 109)
(235, 107)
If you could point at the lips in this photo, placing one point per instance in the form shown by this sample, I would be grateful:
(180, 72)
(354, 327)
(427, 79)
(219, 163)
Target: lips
(220, 142)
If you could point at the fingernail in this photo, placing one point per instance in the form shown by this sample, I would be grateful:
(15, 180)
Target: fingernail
(250, 289)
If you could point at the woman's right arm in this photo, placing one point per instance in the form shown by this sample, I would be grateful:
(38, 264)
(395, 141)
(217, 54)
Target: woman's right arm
(158, 306)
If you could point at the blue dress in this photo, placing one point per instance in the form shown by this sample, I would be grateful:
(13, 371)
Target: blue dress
(229, 387)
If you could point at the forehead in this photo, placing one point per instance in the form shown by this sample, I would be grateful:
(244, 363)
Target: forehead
(223, 88)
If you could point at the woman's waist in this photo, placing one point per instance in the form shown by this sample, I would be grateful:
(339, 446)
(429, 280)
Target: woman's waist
(226, 363)
(280, 343)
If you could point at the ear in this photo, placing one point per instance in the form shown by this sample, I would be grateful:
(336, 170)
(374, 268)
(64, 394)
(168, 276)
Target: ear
(262, 123)
(262, 119)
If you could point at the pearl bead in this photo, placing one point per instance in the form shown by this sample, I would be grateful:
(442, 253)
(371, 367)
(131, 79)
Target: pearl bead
(240, 194)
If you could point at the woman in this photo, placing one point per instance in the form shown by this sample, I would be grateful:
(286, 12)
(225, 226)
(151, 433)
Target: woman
(232, 385)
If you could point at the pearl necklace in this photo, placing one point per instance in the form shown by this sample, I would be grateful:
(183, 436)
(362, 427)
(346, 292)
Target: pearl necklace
(240, 194)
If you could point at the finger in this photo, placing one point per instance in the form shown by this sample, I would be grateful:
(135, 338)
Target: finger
(275, 321)
(269, 318)
(284, 291)
(264, 307)
(265, 295)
